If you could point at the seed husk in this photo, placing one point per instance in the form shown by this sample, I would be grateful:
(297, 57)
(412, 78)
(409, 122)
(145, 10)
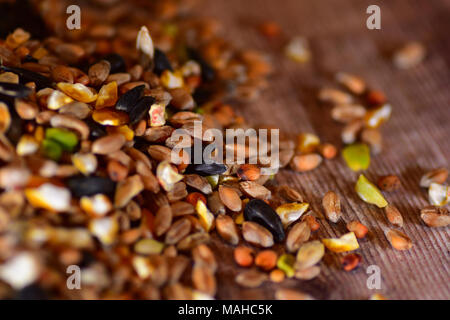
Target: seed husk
(435, 216)
(198, 182)
(332, 206)
(230, 198)
(299, 234)
(227, 229)
(256, 234)
(215, 204)
(255, 190)
(251, 278)
(258, 211)
(398, 240)
(438, 176)
(393, 215)
(389, 183)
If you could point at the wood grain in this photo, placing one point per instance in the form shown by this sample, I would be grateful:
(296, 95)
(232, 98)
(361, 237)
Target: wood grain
(416, 137)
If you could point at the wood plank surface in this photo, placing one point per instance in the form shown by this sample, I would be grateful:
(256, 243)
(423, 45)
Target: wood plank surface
(416, 137)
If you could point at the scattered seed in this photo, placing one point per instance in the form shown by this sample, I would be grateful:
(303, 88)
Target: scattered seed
(435, 216)
(251, 278)
(258, 211)
(305, 162)
(227, 229)
(332, 206)
(369, 193)
(398, 240)
(347, 242)
(393, 215)
(351, 261)
(438, 176)
(243, 256)
(410, 55)
(357, 228)
(256, 234)
(288, 294)
(266, 260)
(299, 234)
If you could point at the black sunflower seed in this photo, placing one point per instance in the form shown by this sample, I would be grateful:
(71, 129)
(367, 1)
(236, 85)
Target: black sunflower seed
(29, 76)
(260, 212)
(208, 72)
(207, 169)
(96, 129)
(127, 101)
(88, 186)
(14, 90)
(141, 109)
(117, 63)
(161, 62)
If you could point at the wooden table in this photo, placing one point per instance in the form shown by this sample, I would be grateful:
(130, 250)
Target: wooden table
(416, 137)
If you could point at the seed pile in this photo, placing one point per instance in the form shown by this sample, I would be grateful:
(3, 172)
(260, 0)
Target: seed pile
(87, 123)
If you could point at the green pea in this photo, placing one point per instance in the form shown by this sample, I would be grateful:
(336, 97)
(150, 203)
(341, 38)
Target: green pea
(66, 138)
(286, 263)
(357, 156)
(51, 149)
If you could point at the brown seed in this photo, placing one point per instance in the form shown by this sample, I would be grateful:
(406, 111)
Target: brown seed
(202, 254)
(76, 109)
(307, 273)
(353, 83)
(99, 72)
(71, 53)
(434, 176)
(203, 279)
(251, 278)
(290, 194)
(177, 291)
(248, 172)
(108, 144)
(62, 73)
(266, 260)
(116, 170)
(159, 153)
(351, 261)
(243, 256)
(227, 229)
(350, 132)
(298, 234)
(178, 192)
(255, 190)
(178, 231)
(256, 234)
(289, 294)
(398, 240)
(126, 190)
(163, 220)
(305, 162)
(332, 206)
(26, 110)
(181, 99)
(335, 96)
(182, 208)
(410, 55)
(193, 240)
(198, 182)
(435, 216)
(215, 204)
(358, 228)
(393, 215)
(389, 183)
(230, 198)
(346, 113)
(177, 266)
